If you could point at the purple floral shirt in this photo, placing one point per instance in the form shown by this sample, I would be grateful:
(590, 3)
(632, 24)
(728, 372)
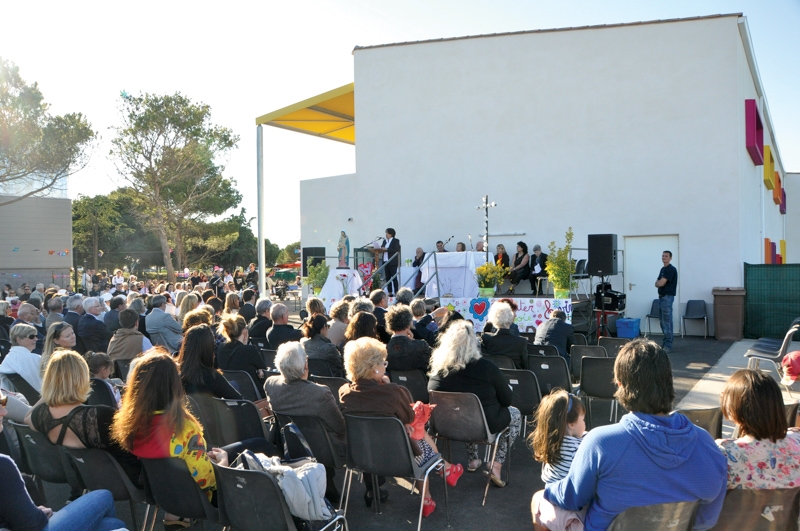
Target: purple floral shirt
(763, 464)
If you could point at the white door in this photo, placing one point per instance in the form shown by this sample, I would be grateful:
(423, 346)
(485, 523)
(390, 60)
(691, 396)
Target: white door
(642, 264)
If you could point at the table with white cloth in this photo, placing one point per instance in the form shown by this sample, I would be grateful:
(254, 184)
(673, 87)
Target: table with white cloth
(407, 275)
(456, 274)
(334, 288)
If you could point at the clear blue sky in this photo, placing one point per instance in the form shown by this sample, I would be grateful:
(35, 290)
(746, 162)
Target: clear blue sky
(249, 58)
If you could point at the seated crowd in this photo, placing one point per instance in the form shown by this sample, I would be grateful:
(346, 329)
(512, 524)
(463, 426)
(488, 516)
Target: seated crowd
(179, 350)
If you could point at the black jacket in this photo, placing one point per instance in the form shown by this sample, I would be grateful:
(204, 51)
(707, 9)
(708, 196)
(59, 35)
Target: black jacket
(504, 343)
(279, 334)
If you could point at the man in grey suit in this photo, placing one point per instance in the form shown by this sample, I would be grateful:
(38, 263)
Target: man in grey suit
(162, 327)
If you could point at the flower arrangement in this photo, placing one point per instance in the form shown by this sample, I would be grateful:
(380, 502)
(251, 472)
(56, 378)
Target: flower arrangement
(560, 266)
(490, 275)
(317, 274)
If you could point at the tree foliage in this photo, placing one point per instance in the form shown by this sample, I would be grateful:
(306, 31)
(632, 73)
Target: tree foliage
(169, 151)
(37, 150)
(289, 254)
(271, 252)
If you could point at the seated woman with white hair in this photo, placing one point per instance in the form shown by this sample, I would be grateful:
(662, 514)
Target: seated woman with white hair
(21, 359)
(290, 393)
(502, 342)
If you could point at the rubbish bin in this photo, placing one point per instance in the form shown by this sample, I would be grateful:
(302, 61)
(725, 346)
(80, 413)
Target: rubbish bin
(728, 313)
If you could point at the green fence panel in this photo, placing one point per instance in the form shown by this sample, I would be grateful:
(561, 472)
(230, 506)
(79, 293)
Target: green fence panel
(772, 301)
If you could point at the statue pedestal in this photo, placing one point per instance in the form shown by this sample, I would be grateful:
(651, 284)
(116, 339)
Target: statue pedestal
(340, 282)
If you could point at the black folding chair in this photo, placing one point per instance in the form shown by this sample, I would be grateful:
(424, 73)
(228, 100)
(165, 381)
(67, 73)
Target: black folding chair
(247, 387)
(202, 406)
(672, 516)
(551, 372)
(22, 386)
(460, 417)
(333, 383)
(597, 382)
(45, 460)
(122, 368)
(319, 367)
(170, 485)
(579, 339)
(578, 352)
(414, 380)
(5, 346)
(542, 350)
(771, 350)
(269, 358)
(100, 394)
(612, 344)
(380, 446)
(251, 500)
(527, 395)
(710, 419)
(100, 471)
(502, 362)
(530, 336)
(655, 313)
(695, 309)
(759, 510)
(260, 342)
(236, 420)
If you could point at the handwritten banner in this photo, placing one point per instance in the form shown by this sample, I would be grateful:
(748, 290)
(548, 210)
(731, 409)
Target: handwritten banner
(530, 312)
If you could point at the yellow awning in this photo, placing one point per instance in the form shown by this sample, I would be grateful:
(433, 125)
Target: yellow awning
(329, 115)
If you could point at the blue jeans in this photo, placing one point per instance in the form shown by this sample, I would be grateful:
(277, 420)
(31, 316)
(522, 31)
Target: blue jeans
(91, 512)
(665, 303)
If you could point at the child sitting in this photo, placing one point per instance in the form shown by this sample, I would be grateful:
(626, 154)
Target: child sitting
(101, 367)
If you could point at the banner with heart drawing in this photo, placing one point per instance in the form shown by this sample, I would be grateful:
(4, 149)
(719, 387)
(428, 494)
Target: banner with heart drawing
(530, 312)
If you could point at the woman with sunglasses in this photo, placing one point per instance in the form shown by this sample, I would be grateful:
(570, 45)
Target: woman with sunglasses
(93, 511)
(59, 335)
(20, 358)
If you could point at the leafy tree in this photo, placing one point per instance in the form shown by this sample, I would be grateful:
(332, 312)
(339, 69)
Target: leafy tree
(289, 254)
(271, 252)
(91, 217)
(37, 150)
(168, 150)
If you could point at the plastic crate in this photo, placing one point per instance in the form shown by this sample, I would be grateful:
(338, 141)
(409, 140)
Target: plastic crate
(628, 327)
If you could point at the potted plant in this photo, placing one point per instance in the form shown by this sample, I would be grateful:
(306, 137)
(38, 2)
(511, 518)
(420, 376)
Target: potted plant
(560, 267)
(317, 274)
(489, 275)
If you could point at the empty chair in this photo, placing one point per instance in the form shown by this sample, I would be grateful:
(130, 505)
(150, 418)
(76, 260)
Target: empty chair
(245, 384)
(710, 419)
(260, 342)
(236, 420)
(597, 382)
(121, 368)
(695, 309)
(101, 394)
(542, 350)
(503, 362)
(759, 510)
(578, 352)
(380, 446)
(655, 313)
(99, 470)
(22, 386)
(530, 336)
(527, 395)
(459, 417)
(769, 350)
(334, 383)
(551, 372)
(169, 483)
(319, 367)
(668, 516)
(612, 344)
(415, 381)
(251, 500)
(317, 437)
(580, 275)
(269, 358)
(579, 339)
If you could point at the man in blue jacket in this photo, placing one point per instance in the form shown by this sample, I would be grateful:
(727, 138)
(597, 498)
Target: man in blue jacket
(649, 457)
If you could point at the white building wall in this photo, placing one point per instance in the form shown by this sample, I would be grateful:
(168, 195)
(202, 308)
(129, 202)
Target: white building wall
(633, 130)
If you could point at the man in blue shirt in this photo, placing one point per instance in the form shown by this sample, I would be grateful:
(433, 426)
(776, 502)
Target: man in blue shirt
(667, 284)
(650, 457)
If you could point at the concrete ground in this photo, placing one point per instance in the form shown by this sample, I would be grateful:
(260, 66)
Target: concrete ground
(700, 368)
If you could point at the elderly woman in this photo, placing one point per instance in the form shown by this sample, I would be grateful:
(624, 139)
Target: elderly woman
(317, 345)
(371, 394)
(339, 322)
(196, 365)
(291, 393)
(521, 269)
(5, 318)
(502, 342)
(237, 355)
(457, 367)
(404, 352)
(59, 335)
(63, 418)
(767, 453)
(21, 359)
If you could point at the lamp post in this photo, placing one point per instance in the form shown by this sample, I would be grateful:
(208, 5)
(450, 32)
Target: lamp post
(485, 206)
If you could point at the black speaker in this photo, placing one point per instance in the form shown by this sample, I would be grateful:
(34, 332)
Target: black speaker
(318, 253)
(602, 255)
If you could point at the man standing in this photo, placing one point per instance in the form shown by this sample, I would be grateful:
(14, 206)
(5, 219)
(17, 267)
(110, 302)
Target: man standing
(252, 276)
(391, 257)
(538, 264)
(667, 284)
(649, 457)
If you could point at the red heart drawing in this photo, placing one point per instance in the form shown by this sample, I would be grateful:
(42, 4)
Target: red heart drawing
(480, 307)
(538, 322)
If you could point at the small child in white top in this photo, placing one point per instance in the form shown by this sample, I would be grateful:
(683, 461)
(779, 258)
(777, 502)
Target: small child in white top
(560, 426)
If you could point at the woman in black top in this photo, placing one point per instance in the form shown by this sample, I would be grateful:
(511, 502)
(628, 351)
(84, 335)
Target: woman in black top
(318, 347)
(237, 355)
(457, 367)
(196, 365)
(522, 266)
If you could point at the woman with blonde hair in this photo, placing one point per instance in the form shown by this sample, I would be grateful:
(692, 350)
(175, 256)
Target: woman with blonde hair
(236, 354)
(458, 367)
(371, 394)
(59, 335)
(315, 306)
(190, 302)
(20, 358)
(231, 304)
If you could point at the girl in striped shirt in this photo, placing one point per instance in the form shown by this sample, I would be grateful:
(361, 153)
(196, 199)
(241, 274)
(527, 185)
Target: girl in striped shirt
(560, 427)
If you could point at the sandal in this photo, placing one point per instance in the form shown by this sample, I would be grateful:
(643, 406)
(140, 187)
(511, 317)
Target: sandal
(472, 466)
(428, 506)
(496, 480)
(453, 473)
(180, 523)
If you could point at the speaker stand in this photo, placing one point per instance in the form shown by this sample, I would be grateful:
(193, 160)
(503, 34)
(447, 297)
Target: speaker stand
(602, 328)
